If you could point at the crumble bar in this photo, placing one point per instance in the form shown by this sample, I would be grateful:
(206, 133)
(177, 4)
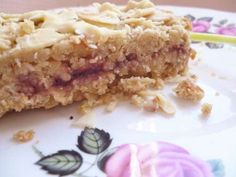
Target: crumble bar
(50, 58)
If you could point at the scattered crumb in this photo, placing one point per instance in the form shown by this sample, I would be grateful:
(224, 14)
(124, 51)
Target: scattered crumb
(136, 91)
(87, 120)
(188, 90)
(23, 136)
(111, 106)
(206, 109)
(164, 104)
(193, 54)
(157, 102)
(217, 94)
(137, 100)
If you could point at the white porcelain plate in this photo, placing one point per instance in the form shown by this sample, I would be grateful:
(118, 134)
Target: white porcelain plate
(60, 149)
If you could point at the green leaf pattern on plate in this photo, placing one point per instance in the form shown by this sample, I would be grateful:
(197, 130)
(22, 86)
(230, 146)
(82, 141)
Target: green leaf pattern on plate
(62, 163)
(93, 141)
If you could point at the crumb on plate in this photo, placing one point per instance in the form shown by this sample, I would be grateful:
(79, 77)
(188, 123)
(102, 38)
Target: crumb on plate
(87, 120)
(188, 90)
(153, 104)
(23, 136)
(164, 104)
(206, 109)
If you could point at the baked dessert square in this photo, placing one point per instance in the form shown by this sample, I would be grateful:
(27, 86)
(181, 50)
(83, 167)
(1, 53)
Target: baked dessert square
(57, 57)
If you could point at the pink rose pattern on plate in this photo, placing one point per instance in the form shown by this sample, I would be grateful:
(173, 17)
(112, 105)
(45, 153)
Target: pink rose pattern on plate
(156, 159)
(201, 26)
(227, 30)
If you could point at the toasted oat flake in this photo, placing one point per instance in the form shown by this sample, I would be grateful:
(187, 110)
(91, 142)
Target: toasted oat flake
(23, 136)
(206, 109)
(164, 104)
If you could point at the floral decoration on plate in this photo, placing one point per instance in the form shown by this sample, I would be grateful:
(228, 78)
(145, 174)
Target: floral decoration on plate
(150, 160)
(206, 25)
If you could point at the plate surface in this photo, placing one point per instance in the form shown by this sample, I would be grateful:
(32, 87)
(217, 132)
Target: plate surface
(213, 138)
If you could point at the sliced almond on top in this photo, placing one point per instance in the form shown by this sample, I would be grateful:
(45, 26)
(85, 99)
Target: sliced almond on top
(106, 18)
(39, 39)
